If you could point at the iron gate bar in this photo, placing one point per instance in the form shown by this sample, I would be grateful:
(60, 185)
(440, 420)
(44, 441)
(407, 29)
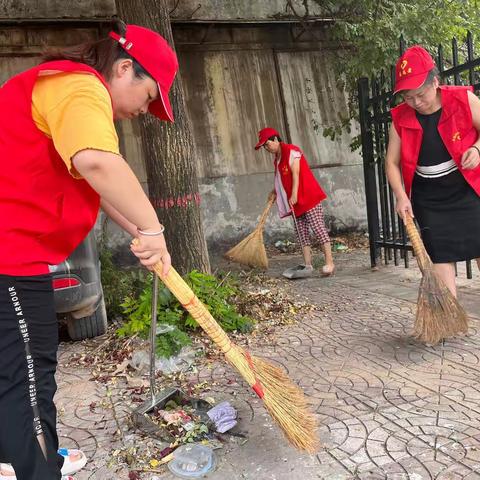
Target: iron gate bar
(368, 168)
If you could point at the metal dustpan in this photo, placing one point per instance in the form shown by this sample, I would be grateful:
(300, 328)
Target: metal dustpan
(140, 415)
(300, 271)
(142, 420)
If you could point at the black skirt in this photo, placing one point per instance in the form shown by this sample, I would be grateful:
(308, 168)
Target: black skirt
(447, 210)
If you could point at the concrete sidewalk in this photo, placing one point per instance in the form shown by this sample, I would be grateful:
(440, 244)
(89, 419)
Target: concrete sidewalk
(389, 407)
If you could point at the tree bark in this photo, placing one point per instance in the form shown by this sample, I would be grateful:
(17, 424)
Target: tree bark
(170, 155)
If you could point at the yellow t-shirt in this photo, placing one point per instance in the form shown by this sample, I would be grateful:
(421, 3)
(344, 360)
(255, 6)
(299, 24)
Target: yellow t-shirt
(75, 111)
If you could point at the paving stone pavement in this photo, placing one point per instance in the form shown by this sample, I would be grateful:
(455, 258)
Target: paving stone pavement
(389, 407)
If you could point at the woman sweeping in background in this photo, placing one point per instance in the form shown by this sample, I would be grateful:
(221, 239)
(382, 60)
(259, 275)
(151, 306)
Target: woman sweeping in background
(434, 148)
(60, 161)
(297, 190)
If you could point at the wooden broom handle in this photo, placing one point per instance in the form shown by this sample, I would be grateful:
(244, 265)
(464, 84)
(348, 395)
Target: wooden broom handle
(416, 240)
(184, 294)
(263, 216)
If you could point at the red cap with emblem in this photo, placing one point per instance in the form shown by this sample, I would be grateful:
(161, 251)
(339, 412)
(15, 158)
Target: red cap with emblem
(155, 55)
(264, 134)
(412, 68)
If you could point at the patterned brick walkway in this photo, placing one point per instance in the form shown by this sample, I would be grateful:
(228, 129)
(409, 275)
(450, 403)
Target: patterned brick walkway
(389, 407)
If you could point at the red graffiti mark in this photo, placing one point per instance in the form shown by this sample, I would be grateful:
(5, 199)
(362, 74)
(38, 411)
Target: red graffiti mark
(180, 201)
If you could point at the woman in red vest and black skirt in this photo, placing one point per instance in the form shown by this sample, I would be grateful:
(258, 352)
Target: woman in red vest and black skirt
(60, 161)
(297, 190)
(434, 147)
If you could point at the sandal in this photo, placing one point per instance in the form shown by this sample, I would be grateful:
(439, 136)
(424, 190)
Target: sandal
(69, 466)
(72, 466)
(6, 467)
(6, 472)
(328, 271)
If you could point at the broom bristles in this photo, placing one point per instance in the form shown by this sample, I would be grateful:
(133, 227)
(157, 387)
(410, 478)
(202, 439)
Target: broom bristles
(250, 251)
(439, 314)
(284, 400)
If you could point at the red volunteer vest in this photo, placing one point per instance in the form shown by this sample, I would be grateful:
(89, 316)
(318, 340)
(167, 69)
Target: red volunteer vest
(310, 194)
(455, 128)
(44, 212)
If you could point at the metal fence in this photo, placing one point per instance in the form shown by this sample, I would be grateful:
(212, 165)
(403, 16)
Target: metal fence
(386, 231)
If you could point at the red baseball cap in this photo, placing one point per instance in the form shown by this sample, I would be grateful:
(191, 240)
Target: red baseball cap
(155, 55)
(412, 68)
(264, 134)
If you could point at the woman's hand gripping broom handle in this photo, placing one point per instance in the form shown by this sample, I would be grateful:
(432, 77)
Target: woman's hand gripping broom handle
(417, 244)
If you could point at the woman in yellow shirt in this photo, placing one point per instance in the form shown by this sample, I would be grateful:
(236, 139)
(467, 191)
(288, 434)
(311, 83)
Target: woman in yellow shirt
(60, 161)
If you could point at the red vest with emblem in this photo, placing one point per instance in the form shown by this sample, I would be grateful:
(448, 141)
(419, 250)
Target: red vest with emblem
(455, 128)
(310, 194)
(44, 212)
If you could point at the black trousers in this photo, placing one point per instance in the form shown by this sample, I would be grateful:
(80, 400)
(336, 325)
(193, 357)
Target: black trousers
(28, 361)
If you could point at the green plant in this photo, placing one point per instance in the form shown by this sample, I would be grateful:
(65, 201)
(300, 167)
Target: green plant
(170, 343)
(214, 294)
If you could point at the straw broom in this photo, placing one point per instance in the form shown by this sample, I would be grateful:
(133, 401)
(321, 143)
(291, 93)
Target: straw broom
(251, 250)
(284, 400)
(439, 314)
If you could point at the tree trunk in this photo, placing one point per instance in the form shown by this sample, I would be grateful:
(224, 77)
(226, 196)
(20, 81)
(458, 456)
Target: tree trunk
(170, 155)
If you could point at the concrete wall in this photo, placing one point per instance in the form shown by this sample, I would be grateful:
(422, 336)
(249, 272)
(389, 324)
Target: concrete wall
(56, 9)
(235, 10)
